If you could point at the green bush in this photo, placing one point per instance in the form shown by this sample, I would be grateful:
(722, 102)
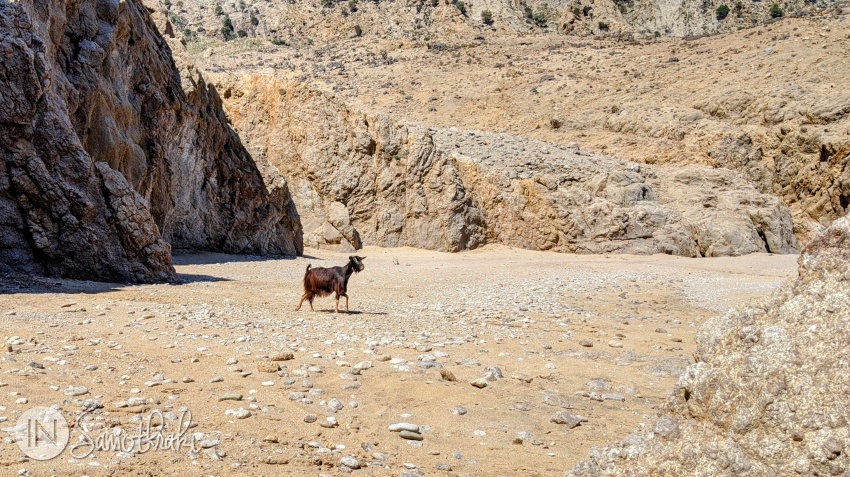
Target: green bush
(227, 29)
(540, 18)
(776, 11)
(178, 21)
(190, 36)
(722, 12)
(487, 17)
(218, 10)
(352, 5)
(327, 3)
(603, 26)
(461, 7)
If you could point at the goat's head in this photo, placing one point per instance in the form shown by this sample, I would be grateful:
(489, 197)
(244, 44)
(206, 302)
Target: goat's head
(356, 262)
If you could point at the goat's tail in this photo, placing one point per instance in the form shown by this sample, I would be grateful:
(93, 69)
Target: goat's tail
(308, 267)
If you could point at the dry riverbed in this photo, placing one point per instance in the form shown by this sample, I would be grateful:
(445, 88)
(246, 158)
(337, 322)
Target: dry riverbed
(550, 340)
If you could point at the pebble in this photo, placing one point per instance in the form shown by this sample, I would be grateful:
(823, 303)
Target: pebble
(613, 397)
(480, 383)
(268, 367)
(447, 375)
(570, 420)
(410, 435)
(350, 462)
(329, 422)
(443, 467)
(231, 361)
(217, 379)
(271, 438)
(242, 413)
(615, 344)
(187, 379)
(586, 343)
(335, 404)
(309, 418)
(230, 397)
(282, 356)
(132, 402)
(459, 410)
(403, 426)
(523, 377)
(76, 391)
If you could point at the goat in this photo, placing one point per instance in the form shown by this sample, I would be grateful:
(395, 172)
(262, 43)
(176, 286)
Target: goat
(322, 282)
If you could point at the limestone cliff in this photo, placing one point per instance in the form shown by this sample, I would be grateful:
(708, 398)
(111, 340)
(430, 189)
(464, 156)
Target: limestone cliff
(112, 155)
(364, 179)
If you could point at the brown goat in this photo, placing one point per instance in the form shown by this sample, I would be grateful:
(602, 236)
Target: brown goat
(322, 282)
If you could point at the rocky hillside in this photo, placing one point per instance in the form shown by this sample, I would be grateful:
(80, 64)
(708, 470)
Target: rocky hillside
(433, 21)
(363, 179)
(112, 154)
(766, 101)
(763, 398)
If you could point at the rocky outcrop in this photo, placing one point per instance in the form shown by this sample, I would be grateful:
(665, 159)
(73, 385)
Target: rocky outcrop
(356, 179)
(112, 155)
(548, 197)
(362, 179)
(766, 395)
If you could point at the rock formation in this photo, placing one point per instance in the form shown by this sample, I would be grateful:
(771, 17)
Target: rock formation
(112, 155)
(446, 21)
(362, 179)
(767, 395)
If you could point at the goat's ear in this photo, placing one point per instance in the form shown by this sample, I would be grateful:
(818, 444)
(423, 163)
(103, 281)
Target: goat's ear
(362, 258)
(351, 257)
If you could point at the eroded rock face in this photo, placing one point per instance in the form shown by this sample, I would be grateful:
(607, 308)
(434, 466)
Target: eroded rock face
(356, 179)
(767, 395)
(362, 179)
(111, 154)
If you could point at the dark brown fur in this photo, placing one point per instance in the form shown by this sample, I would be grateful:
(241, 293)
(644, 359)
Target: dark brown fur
(321, 282)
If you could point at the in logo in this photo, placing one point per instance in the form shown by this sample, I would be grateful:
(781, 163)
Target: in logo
(42, 433)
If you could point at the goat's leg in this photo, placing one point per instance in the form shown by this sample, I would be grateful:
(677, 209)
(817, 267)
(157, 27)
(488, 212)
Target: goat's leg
(304, 297)
(336, 306)
(310, 301)
(346, 302)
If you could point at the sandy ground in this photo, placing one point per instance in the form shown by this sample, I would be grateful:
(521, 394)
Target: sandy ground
(563, 330)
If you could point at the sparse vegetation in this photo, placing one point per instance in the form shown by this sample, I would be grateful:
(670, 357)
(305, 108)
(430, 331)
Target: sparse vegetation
(540, 18)
(179, 21)
(487, 17)
(227, 29)
(352, 6)
(603, 26)
(218, 10)
(461, 6)
(776, 11)
(625, 6)
(190, 36)
(328, 3)
(722, 12)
